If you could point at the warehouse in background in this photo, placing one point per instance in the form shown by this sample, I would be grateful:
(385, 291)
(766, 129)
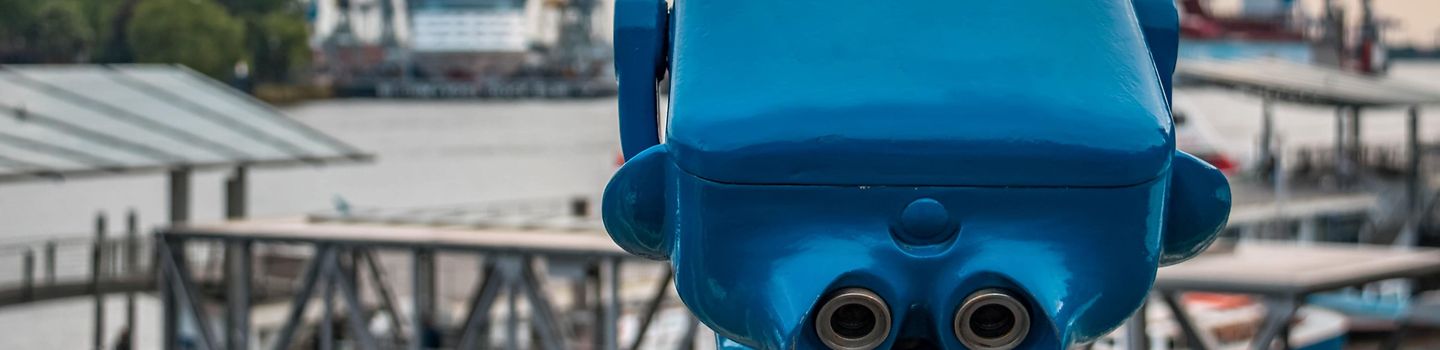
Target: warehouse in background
(464, 48)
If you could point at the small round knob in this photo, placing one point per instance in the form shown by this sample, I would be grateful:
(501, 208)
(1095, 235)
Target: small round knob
(925, 221)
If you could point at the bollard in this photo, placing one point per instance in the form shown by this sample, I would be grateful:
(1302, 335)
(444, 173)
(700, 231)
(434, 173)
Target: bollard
(579, 207)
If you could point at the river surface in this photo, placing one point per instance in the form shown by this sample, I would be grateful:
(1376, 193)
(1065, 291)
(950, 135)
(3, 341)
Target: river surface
(427, 153)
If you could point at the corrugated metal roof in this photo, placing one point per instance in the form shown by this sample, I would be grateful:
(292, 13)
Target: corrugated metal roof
(61, 121)
(1306, 83)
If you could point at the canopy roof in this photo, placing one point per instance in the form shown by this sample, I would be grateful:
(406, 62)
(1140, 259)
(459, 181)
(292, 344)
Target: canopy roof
(60, 121)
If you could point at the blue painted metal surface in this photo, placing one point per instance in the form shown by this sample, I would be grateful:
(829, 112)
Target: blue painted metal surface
(1160, 22)
(921, 149)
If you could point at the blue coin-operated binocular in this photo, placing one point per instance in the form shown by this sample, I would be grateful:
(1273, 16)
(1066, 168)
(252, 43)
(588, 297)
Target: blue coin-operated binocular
(859, 174)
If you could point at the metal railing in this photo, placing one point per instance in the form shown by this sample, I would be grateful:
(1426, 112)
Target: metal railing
(79, 266)
(513, 303)
(76, 265)
(352, 290)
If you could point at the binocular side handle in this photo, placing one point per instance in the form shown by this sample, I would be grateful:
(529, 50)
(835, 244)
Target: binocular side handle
(641, 29)
(1199, 207)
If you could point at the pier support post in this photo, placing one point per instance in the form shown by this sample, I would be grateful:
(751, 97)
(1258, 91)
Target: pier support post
(1356, 147)
(327, 306)
(97, 261)
(1414, 188)
(237, 266)
(1342, 167)
(512, 317)
(610, 296)
(238, 260)
(169, 306)
(1267, 138)
(50, 263)
(179, 196)
(1413, 185)
(132, 268)
(235, 194)
(27, 275)
(422, 289)
(179, 202)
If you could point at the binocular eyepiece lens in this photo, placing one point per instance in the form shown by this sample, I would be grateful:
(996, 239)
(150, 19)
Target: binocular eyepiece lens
(853, 319)
(992, 319)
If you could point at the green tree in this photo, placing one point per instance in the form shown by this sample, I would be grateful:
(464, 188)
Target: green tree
(258, 7)
(15, 16)
(61, 33)
(279, 45)
(196, 33)
(53, 31)
(110, 18)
